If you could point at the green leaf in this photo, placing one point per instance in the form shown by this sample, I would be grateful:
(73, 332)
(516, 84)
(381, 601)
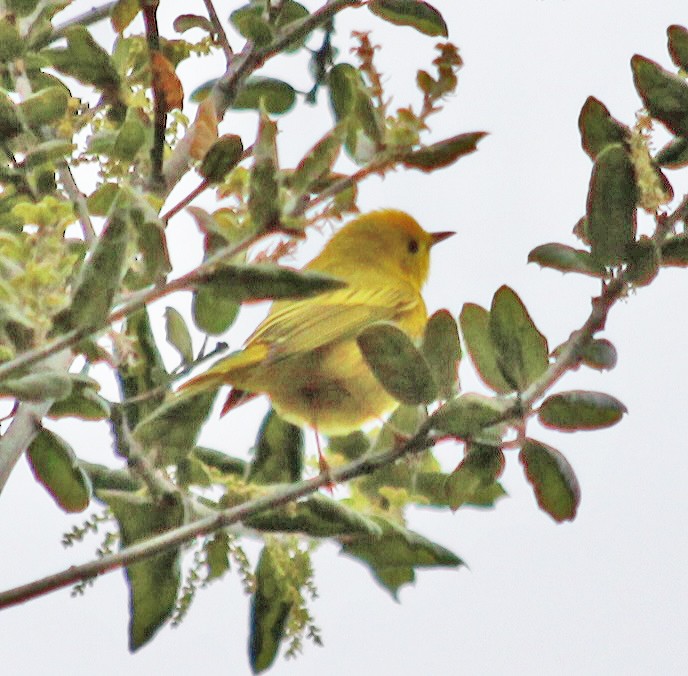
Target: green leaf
(212, 308)
(598, 128)
(217, 555)
(397, 364)
(476, 473)
(664, 94)
(185, 22)
(83, 402)
(45, 107)
(101, 199)
(599, 354)
(11, 43)
(178, 335)
(222, 157)
(611, 212)
(443, 153)
(475, 328)
(38, 386)
(394, 556)
(678, 45)
(351, 446)
(442, 351)
(153, 582)
(552, 478)
(318, 516)
(270, 608)
(99, 278)
(317, 163)
(143, 372)
(192, 472)
(468, 415)
(643, 262)
(48, 152)
(172, 429)
(674, 252)
(123, 13)
(129, 140)
(85, 60)
(343, 82)
(566, 259)
(273, 96)
(263, 204)
(104, 478)
(245, 283)
(10, 126)
(278, 453)
(580, 410)
(21, 7)
(57, 469)
(252, 23)
(522, 352)
(674, 155)
(414, 13)
(226, 464)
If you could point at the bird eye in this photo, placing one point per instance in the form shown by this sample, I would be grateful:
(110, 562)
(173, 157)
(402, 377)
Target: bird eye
(413, 246)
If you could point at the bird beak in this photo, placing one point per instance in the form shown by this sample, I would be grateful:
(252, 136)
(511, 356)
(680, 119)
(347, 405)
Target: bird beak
(440, 236)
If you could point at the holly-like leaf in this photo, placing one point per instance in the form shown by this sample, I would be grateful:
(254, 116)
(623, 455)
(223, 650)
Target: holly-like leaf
(522, 352)
(675, 251)
(99, 278)
(172, 429)
(394, 556)
(414, 13)
(178, 335)
(443, 153)
(552, 478)
(643, 262)
(153, 582)
(38, 386)
(278, 453)
(318, 516)
(270, 607)
(599, 354)
(566, 259)
(475, 328)
(85, 60)
(598, 128)
(678, 45)
(263, 202)
(674, 155)
(611, 206)
(468, 415)
(580, 410)
(57, 469)
(247, 283)
(397, 363)
(221, 158)
(45, 107)
(267, 93)
(664, 94)
(477, 473)
(442, 351)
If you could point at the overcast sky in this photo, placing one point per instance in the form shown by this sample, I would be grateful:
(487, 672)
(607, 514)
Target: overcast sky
(605, 594)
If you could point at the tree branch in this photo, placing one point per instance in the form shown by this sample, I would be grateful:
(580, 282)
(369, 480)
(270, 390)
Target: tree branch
(177, 536)
(219, 30)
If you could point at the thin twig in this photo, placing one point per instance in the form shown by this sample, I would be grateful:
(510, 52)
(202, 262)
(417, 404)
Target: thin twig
(178, 536)
(92, 16)
(219, 30)
(78, 199)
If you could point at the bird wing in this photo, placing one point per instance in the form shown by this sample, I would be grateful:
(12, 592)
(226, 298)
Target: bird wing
(301, 326)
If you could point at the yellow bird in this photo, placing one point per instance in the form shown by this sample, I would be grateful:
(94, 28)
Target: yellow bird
(304, 354)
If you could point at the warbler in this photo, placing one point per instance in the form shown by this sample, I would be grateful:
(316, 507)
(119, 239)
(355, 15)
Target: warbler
(304, 355)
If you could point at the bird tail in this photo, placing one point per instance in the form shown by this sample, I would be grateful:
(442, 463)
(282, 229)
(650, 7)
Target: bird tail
(225, 371)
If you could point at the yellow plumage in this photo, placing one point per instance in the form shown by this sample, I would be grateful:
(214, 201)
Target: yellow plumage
(304, 355)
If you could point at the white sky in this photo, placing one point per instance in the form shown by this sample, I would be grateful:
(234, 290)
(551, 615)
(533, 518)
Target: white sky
(603, 595)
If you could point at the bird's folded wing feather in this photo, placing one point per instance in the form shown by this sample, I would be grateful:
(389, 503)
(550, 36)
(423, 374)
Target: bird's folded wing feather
(301, 326)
